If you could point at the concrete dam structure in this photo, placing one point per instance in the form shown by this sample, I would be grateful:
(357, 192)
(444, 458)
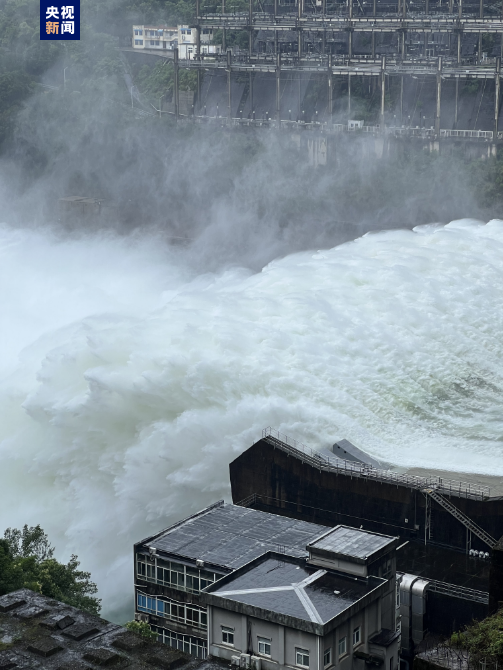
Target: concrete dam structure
(427, 73)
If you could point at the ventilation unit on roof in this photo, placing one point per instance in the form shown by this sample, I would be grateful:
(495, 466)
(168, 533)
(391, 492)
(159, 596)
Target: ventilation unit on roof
(152, 551)
(244, 661)
(200, 563)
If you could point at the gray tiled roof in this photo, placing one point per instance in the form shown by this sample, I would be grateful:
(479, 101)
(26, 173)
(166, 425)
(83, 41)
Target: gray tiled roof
(352, 542)
(231, 536)
(292, 588)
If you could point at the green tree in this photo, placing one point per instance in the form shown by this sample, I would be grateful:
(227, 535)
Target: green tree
(26, 561)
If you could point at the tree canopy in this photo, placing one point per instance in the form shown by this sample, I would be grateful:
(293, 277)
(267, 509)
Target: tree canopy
(26, 561)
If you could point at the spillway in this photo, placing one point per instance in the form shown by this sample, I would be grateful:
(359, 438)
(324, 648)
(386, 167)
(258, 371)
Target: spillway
(129, 382)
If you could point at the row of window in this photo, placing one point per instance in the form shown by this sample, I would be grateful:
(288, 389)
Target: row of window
(138, 32)
(187, 643)
(138, 42)
(176, 575)
(191, 615)
(301, 655)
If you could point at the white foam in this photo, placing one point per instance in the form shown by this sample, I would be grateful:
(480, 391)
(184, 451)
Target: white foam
(129, 384)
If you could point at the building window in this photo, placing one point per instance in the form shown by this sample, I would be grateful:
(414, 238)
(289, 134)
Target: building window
(146, 604)
(138, 42)
(302, 657)
(176, 575)
(357, 637)
(190, 615)
(227, 635)
(264, 646)
(342, 646)
(138, 32)
(187, 643)
(391, 663)
(327, 657)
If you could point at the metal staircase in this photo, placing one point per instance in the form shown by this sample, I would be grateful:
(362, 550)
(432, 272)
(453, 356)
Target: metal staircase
(457, 514)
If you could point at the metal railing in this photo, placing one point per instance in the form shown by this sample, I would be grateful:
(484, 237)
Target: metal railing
(458, 514)
(332, 464)
(457, 591)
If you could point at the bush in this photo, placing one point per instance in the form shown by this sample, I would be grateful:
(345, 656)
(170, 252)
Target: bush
(142, 629)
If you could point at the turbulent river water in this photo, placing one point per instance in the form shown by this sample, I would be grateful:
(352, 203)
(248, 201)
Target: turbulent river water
(129, 382)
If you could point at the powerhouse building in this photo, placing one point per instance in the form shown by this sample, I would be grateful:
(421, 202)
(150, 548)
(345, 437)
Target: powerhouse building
(259, 589)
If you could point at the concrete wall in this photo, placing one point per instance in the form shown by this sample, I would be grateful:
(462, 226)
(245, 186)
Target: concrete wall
(285, 640)
(293, 488)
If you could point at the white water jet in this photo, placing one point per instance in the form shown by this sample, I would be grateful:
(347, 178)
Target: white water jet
(129, 383)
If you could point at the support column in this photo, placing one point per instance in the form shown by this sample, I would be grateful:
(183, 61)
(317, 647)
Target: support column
(229, 76)
(198, 42)
(198, 8)
(330, 90)
(176, 83)
(373, 44)
(278, 89)
(458, 57)
(275, 9)
(496, 97)
(224, 36)
(198, 92)
(439, 94)
(349, 96)
(456, 105)
(350, 9)
(401, 100)
(383, 91)
(250, 92)
(350, 43)
(300, 94)
(481, 15)
(427, 9)
(250, 23)
(425, 44)
(299, 37)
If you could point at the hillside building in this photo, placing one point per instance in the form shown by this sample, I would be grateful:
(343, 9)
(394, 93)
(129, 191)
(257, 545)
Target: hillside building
(256, 588)
(183, 37)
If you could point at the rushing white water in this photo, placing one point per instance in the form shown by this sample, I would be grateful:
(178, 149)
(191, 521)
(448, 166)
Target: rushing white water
(129, 383)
